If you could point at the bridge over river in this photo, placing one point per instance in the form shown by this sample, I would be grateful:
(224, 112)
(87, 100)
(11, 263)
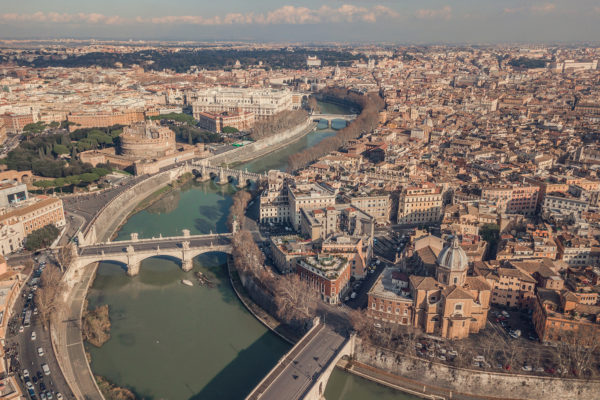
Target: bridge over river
(304, 371)
(332, 117)
(133, 252)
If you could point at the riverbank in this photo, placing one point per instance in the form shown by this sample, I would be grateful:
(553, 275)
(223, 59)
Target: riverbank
(113, 392)
(259, 313)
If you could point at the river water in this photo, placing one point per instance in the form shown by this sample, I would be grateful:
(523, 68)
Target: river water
(170, 341)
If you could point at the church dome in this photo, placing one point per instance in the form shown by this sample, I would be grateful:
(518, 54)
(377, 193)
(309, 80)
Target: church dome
(453, 257)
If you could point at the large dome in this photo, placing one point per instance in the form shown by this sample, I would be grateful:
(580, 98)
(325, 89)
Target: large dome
(453, 257)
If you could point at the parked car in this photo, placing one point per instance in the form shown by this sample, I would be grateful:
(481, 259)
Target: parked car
(25, 373)
(46, 369)
(527, 368)
(40, 351)
(33, 335)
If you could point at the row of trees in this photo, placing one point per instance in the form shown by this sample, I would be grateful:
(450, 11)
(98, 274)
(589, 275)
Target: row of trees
(367, 120)
(192, 134)
(285, 296)
(277, 123)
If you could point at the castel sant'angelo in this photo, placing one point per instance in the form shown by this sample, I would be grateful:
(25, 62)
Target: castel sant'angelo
(147, 140)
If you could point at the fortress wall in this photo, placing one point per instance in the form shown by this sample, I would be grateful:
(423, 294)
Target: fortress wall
(113, 215)
(476, 382)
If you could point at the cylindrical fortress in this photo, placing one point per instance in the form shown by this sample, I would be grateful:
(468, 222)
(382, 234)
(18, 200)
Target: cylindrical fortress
(147, 140)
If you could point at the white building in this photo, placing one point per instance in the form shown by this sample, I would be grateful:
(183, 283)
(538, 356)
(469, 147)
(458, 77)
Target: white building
(262, 102)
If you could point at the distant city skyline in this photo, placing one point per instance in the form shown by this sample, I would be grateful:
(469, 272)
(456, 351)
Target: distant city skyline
(424, 21)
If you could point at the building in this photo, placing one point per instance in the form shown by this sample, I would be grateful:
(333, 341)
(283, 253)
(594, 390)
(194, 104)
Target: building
(559, 316)
(322, 223)
(512, 199)
(328, 274)
(274, 200)
(14, 123)
(308, 196)
(377, 206)
(511, 287)
(263, 103)
(12, 192)
(285, 250)
(390, 299)
(215, 122)
(451, 305)
(18, 222)
(420, 205)
(560, 205)
(104, 119)
(313, 61)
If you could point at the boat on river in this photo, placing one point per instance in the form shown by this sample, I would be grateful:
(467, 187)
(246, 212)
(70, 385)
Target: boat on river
(186, 282)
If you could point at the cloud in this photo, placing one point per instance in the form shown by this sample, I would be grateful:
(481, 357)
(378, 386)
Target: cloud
(432, 13)
(537, 9)
(289, 14)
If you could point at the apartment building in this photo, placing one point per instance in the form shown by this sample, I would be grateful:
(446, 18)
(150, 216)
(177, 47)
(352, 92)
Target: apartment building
(389, 299)
(560, 316)
(2, 132)
(512, 199)
(420, 204)
(560, 205)
(329, 275)
(308, 196)
(321, 223)
(376, 205)
(511, 287)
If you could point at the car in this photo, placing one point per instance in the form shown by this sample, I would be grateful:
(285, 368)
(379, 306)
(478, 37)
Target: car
(33, 335)
(21, 329)
(377, 325)
(29, 385)
(25, 373)
(550, 371)
(442, 357)
(527, 368)
(476, 364)
(539, 369)
(30, 296)
(452, 353)
(479, 358)
(34, 379)
(49, 395)
(35, 311)
(43, 396)
(42, 386)
(31, 393)
(46, 369)
(505, 314)
(59, 396)
(39, 375)
(40, 351)
(353, 295)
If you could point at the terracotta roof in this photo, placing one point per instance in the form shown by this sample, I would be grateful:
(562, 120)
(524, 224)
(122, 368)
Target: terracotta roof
(455, 292)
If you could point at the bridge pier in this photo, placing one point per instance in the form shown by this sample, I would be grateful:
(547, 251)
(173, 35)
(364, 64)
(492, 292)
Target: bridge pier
(187, 265)
(222, 177)
(133, 268)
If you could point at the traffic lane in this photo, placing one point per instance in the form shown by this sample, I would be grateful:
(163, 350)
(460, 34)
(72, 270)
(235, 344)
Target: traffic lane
(166, 245)
(30, 359)
(298, 374)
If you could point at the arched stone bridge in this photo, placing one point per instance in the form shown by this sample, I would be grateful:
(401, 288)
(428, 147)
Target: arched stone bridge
(224, 175)
(133, 252)
(330, 117)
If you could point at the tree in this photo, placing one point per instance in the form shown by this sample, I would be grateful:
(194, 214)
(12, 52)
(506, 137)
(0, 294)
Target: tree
(230, 129)
(41, 238)
(64, 256)
(47, 297)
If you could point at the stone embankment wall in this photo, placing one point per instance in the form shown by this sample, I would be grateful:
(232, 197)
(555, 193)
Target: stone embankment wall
(114, 213)
(264, 146)
(477, 383)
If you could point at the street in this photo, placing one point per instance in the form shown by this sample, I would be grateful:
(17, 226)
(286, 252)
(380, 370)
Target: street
(23, 351)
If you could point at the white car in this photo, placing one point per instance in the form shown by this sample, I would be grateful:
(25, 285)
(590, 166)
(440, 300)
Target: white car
(21, 329)
(59, 396)
(29, 385)
(33, 335)
(46, 369)
(40, 351)
(25, 373)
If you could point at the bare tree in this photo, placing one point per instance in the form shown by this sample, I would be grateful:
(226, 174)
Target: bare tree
(295, 298)
(64, 256)
(47, 297)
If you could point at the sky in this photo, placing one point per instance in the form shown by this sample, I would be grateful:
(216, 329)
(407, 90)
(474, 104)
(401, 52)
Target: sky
(395, 21)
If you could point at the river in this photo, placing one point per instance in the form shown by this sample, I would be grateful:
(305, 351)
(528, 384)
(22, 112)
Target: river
(170, 341)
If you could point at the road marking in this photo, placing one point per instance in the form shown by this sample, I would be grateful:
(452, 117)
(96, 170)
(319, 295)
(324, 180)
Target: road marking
(74, 344)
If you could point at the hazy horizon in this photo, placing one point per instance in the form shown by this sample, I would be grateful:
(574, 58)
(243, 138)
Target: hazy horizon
(363, 21)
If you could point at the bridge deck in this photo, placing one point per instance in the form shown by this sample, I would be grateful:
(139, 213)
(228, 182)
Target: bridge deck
(301, 366)
(147, 245)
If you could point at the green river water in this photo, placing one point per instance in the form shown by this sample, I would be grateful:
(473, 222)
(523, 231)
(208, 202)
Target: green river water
(170, 341)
